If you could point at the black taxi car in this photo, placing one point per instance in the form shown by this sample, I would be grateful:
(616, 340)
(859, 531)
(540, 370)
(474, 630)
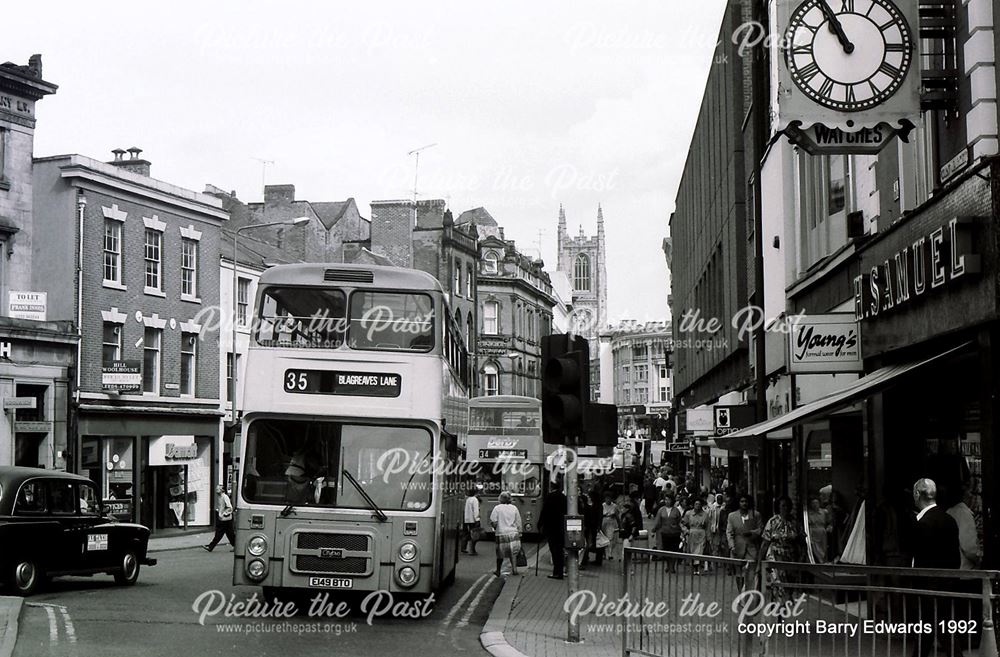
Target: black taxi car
(52, 523)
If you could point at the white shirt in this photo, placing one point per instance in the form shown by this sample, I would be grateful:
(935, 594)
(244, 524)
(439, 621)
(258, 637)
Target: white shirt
(924, 511)
(506, 519)
(660, 482)
(472, 509)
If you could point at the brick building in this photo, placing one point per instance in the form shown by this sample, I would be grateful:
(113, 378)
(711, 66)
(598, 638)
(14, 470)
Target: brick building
(515, 305)
(425, 236)
(147, 253)
(36, 356)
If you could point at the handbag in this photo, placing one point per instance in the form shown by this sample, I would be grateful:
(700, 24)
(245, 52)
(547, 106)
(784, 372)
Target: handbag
(475, 533)
(522, 559)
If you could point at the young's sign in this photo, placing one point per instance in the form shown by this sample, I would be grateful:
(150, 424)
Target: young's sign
(824, 343)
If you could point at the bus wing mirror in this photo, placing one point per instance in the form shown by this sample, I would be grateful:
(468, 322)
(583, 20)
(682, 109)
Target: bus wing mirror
(450, 441)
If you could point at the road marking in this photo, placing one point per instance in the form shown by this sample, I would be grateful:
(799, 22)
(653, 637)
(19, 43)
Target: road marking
(53, 624)
(474, 604)
(70, 629)
(461, 601)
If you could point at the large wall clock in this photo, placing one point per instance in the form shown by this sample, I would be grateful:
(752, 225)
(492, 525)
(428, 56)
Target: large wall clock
(848, 55)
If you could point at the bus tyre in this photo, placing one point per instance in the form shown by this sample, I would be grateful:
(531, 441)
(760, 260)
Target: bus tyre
(128, 573)
(25, 576)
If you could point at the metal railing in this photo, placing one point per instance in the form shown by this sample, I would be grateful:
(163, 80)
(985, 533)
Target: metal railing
(716, 606)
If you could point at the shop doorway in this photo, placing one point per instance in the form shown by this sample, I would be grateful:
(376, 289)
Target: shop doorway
(27, 450)
(167, 491)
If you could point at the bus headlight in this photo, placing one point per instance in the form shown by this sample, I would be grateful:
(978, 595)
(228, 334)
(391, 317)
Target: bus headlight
(257, 545)
(408, 552)
(256, 569)
(407, 576)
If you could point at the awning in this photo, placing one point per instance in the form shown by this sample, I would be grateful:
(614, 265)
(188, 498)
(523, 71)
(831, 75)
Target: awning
(846, 396)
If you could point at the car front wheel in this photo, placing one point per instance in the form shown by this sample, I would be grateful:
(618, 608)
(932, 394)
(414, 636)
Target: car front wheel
(128, 573)
(26, 577)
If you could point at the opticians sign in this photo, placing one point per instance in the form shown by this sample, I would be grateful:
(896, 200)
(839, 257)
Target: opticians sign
(824, 344)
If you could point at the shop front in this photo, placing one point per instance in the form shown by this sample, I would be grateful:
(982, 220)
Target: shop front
(925, 298)
(152, 466)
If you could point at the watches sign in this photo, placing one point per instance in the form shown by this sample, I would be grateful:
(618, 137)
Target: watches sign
(847, 66)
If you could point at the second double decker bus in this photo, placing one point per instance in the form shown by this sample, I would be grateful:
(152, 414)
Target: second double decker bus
(355, 403)
(505, 445)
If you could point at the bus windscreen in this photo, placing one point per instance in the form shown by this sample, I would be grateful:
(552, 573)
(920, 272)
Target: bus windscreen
(504, 421)
(303, 463)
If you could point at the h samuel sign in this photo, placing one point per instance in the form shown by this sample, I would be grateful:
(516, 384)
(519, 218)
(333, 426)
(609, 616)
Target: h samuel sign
(931, 262)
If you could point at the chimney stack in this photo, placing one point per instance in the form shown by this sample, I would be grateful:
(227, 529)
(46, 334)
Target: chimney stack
(134, 163)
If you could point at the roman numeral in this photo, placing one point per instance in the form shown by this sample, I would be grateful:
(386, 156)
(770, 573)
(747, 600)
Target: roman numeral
(801, 50)
(847, 6)
(889, 70)
(895, 47)
(809, 71)
(826, 88)
(851, 98)
(875, 90)
(885, 26)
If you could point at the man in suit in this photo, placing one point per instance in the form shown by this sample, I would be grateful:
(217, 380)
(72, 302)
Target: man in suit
(552, 522)
(935, 545)
(743, 530)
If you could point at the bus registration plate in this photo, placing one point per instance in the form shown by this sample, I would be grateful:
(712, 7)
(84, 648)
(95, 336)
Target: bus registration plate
(331, 582)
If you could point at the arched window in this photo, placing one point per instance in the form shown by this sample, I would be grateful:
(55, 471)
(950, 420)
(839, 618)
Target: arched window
(491, 314)
(581, 273)
(468, 332)
(458, 332)
(491, 263)
(519, 379)
(491, 379)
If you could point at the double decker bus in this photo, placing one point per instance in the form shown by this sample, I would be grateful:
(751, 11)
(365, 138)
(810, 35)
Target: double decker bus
(355, 405)
(505, 443)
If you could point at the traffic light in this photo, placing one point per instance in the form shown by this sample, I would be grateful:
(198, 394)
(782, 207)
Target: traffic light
(565, 387)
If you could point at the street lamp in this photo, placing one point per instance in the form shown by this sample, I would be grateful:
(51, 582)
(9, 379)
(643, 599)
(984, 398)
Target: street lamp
(298, 221)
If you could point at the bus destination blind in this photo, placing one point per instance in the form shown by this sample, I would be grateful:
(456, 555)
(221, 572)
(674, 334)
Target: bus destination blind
(500, 454)
(355, 384)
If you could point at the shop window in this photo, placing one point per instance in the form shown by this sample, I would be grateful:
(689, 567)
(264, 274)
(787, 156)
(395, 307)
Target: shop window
(153, 255)
(189, 360)
(112, 350)
(189, 268)
(39, 392)
(151, 345)
(117, 459)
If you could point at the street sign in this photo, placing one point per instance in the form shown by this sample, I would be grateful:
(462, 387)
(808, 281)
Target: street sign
(20, 402)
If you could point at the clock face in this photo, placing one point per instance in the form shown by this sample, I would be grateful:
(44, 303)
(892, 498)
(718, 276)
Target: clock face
(850, 55)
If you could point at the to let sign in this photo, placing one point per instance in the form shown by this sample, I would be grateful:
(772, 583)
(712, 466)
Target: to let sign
(27, 305)
(122, 376)
(824, 344)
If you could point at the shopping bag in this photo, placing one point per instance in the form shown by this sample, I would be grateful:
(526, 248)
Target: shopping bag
(476, 533)
(602, 540)
(522, 559)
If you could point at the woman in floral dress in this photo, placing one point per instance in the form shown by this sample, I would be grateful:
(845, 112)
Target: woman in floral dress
(781, 539)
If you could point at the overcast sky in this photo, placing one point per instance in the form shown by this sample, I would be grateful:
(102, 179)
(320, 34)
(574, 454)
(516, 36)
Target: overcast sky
(531, 104)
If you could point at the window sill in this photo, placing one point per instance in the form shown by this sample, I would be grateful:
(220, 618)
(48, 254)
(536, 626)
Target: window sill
(4, 185)
(114, 285)
(153, 292)
(190, 299)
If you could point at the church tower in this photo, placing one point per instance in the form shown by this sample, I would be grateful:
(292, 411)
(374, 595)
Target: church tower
(584, 261)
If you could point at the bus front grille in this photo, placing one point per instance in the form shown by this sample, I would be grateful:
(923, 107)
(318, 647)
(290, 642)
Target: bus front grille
(318, 540)
(345, 566)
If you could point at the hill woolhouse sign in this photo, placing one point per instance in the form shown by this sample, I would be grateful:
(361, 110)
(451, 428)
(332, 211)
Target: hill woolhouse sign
(930, 263)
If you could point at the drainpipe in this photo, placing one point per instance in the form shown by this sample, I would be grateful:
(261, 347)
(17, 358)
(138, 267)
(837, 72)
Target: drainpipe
(81, 206)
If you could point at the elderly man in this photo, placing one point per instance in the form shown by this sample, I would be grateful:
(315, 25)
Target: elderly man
(506, 522)
(936, 546)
